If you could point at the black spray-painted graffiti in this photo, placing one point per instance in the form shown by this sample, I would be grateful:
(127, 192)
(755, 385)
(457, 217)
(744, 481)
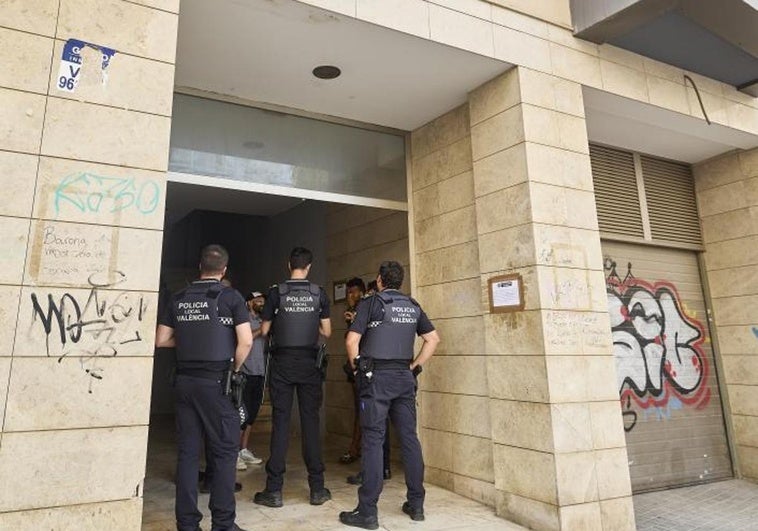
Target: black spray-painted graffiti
(660, 363)
(88, 192)
(97, 325)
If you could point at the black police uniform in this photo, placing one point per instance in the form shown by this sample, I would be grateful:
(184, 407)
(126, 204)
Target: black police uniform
(204, 316)
(388, 325)
(295, 309)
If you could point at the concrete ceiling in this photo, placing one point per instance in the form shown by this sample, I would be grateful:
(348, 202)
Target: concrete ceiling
(265, 50)
(625, 123)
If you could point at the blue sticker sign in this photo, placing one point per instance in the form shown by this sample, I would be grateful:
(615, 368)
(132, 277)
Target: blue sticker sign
(70, 70)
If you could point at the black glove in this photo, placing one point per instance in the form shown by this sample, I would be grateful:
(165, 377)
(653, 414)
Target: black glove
(348, 370)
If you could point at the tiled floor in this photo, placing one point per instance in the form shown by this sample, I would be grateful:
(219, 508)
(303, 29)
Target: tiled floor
(723, 506)
(444, 509)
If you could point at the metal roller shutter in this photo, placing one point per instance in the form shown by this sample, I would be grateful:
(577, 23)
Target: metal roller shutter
(664, 366)
(665, 369)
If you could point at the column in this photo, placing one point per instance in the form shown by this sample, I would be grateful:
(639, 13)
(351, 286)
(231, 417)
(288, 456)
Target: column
(454, 404)
(727, 196)
(559, 451)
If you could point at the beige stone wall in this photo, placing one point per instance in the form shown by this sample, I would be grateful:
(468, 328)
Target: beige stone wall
(503, 185)
(554, 11)
(559, 449)
(358, 240)
(544, 42)
(727, 194)
(84, 175)
(454, 415)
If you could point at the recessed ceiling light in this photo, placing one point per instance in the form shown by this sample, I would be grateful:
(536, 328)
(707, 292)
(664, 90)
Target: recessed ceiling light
(326, 72)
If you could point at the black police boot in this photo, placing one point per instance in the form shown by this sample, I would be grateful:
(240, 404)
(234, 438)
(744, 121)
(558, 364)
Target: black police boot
(417, 515)
(356, 519)
(356, 479)
(321, 496)
(268, 498)
(235, 527)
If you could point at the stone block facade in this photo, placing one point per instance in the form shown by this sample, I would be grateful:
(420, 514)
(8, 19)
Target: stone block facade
(727, 191)
(533, 392)
(82, 220)
(538, 36)
(519, 410)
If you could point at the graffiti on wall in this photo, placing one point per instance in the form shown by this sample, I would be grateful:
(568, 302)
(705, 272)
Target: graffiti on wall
(658, 347)
(90, 193)
(89, 324)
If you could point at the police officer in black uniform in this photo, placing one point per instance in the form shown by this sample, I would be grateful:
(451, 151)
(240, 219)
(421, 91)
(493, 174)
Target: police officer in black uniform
(296, 313)
(209, 326)
(383, 333)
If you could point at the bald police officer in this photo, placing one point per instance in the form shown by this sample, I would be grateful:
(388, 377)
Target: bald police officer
(208, 323)
(296, 313)
(383, 334)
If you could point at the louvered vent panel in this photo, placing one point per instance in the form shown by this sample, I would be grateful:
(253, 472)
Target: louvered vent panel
(670, 194)
(616, 197)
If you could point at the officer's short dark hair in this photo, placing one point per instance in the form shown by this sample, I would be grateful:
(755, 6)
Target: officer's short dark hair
(392, 274)
(300, 258)
(213, 259)
(356, 282)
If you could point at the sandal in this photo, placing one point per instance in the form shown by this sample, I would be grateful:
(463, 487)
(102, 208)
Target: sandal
(348, 458)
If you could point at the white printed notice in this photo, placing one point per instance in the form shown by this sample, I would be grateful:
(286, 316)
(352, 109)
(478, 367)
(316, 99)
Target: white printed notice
(506, 293)
(70, 71)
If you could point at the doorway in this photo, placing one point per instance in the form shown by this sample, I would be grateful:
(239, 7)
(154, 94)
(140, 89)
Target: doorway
(259, 230)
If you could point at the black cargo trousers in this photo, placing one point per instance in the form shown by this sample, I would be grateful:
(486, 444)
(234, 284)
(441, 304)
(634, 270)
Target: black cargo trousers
(295, 371)
(389, 392)
(203, 413)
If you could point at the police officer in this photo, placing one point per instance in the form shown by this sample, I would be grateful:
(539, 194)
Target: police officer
(296, 313)
(209, 326)
(383, 333)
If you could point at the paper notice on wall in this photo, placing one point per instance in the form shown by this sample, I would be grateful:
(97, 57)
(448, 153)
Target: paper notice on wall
(506, 293)
(70, 70)
(340, 291)
(69, 254)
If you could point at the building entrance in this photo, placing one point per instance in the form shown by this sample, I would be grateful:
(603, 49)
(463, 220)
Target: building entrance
(259, 230)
